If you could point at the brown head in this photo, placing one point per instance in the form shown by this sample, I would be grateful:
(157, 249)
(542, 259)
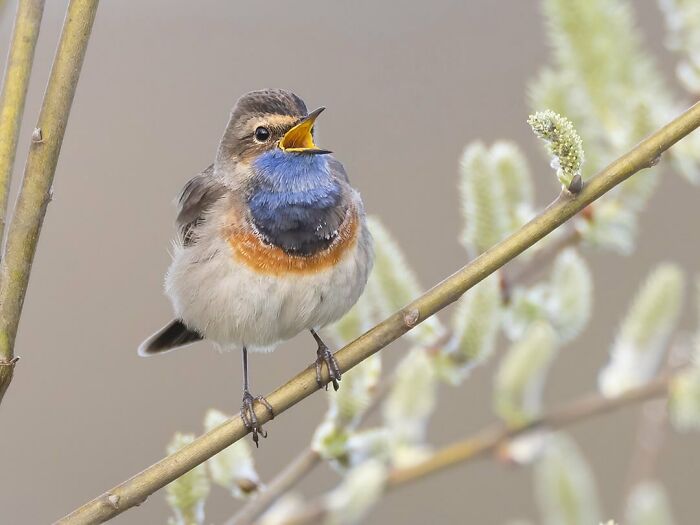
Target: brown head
(263, 120)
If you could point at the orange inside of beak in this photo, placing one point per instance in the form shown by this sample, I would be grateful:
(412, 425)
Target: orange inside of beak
(299, 138)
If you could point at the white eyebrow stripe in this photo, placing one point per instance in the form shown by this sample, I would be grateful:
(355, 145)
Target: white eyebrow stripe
(271, 119)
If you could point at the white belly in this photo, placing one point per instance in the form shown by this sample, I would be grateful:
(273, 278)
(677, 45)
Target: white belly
(233, 305)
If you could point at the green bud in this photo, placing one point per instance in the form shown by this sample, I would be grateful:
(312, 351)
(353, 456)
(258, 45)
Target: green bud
(526, 307)
(475, 322)
(359, 385)
(510, 165)
(559, 91)
(345, 408)
(412, 398)
(393, 284)
(615, 84)
(521, 374)
(487, 217)
(564, 485)
(187, 494)
(645, 332)
(610, 72)
(233, 467)
(361, 489)
(330, 440)
(496, 192)
(563, 144)
(571, 295)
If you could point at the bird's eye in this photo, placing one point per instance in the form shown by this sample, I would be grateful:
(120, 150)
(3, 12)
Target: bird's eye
(262, 134)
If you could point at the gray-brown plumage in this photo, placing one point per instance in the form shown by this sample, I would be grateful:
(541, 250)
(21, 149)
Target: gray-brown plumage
(272, 240)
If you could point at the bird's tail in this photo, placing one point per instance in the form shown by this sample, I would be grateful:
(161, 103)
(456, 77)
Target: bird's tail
(171, 336)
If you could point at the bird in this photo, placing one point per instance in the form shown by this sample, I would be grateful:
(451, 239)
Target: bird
(272, 240)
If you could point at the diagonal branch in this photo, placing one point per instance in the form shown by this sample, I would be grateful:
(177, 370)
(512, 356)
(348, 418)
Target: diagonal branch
(35, 193)
(490, 439)
(135, 490)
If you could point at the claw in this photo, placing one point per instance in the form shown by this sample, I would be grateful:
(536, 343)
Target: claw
(324, 355)
(250, 420)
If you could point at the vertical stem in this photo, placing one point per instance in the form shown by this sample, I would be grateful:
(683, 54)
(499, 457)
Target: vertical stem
(35, 193)
(14, 91)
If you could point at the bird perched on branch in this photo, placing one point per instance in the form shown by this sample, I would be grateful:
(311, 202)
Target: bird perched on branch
(272, 241)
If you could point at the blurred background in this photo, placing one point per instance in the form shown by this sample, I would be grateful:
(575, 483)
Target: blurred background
(405, 89)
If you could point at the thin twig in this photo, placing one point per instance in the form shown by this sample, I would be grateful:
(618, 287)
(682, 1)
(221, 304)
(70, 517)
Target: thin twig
(135, 490)
(35, 194)
(20, 58)
(490, 439)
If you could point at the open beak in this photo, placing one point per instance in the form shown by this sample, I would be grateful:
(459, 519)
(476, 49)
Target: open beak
(299, 138)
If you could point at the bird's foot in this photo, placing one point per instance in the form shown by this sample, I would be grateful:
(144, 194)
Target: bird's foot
(250, 420)
(324, 355)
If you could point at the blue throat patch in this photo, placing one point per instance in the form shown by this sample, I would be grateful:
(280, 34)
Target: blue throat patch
(295, 201)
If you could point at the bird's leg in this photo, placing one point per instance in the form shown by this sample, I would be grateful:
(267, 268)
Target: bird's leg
(324, 355)
(250, 420)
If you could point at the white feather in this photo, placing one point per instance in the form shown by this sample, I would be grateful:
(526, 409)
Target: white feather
(232, 305)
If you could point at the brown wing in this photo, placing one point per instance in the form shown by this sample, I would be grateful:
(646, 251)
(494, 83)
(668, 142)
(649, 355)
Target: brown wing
(198, 195)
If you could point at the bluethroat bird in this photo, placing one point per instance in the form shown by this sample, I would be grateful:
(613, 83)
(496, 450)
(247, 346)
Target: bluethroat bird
(272, 241)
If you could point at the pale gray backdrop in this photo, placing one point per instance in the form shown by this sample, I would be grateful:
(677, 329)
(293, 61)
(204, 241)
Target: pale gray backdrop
(406, 85)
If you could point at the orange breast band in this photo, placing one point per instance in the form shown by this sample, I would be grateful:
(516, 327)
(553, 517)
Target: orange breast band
(249, 248)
